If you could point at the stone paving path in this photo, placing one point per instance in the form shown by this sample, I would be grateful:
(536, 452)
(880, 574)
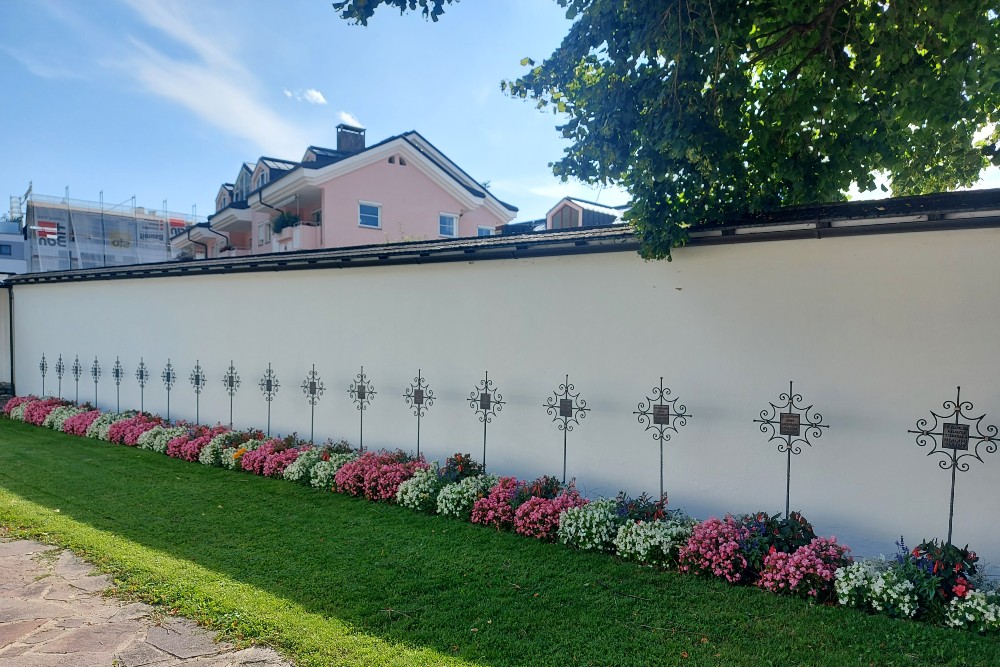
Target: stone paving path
(52, 614)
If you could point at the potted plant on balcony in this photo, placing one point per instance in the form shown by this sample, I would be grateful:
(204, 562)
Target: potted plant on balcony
(284, 220)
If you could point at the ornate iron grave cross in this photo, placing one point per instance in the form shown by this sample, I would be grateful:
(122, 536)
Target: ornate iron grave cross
(169, 377)
(954, 438)
(313, 388)
(487, 402)
(660, 415)
(60, 371)
(567, 409)
(197, 378)
(362, 392)
(43, 366)
(231, 380)
(142, 377)
(785, 423)
(419, 397)
(77, 369)
(269, 387)
(95, 372)
(118, 373)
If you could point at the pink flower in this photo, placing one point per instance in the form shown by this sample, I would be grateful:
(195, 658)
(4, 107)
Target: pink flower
(715, 548)
(495, 509)
(539, 517)
(808, 572)
(78, 424)
(377, 475)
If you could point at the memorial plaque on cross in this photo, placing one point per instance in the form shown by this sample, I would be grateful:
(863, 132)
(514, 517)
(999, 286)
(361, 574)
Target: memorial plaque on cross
(419, 398)
(656, 415)
(566, 409)
(956, 441)
(487, 402)
(784, 422)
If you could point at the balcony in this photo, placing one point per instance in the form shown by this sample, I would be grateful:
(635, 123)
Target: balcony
(300, 237)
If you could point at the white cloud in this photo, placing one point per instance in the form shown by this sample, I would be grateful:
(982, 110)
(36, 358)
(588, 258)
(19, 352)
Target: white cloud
(349, 119)
(40, 68)
(313, 96)
(214, 85)
(310, 95)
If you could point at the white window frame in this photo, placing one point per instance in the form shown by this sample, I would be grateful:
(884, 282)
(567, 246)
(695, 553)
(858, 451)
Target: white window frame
(378, 207)
(317, 216)
(481, 228)
(263, 233)
(454, 217)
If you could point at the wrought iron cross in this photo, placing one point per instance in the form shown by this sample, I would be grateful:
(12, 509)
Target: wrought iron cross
(169, 377)
(567, 409)
(792, 424)
(661, 415)
(43, 366)
(60, 371)
(197, 378)
(362, 392)
(118, 373)
(269, 387)
(419, 397)
(231, 380)
(487, 402)
(313, 388)
(77, 369)
(955, 437)
(95, 372)
(142, 377)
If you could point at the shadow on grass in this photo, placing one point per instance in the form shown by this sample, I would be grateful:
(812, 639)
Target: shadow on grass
(426, 581)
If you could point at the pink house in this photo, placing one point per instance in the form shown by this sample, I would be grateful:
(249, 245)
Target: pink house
(399, 189)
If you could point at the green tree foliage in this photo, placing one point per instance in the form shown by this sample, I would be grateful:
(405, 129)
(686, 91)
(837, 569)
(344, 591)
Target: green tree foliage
(710, 110)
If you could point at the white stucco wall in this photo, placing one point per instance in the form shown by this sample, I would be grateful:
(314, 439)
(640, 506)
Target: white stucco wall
(5, 374)
(875, 331)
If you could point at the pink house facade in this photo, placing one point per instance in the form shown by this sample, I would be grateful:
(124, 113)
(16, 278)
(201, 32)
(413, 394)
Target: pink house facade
(399, 189)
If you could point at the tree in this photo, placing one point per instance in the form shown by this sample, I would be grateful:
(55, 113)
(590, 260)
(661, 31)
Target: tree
(710, 110)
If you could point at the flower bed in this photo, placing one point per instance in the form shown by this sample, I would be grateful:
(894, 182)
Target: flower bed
(936, 582)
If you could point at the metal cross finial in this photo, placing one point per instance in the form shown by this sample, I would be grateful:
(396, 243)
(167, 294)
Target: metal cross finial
(169, 377)
(789, 418)
(60, 371)
(487, 402)
(954, 438)
(118, 373)
(566, 408)
(269, 387)
(231, 380)
(313, 388)
(142, 377)
(661, 415)
(95, 372)
(362, 392)
(43, 366)
(419, 397)
(197, 378)
(77, 369)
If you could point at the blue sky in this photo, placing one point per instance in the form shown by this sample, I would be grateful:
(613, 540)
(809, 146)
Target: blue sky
(164, 99)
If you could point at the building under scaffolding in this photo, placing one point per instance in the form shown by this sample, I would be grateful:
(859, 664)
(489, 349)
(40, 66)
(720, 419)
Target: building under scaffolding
(62, 233)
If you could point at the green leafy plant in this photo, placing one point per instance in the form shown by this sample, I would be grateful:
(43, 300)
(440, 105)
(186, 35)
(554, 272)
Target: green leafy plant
(283, 220)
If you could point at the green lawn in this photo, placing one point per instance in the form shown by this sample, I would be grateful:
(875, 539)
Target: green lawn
(331, 580)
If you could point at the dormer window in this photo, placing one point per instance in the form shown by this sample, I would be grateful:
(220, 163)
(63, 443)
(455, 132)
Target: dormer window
(261, 180)
(565, 218)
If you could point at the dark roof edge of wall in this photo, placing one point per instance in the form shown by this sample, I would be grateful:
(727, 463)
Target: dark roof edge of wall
(949, 211)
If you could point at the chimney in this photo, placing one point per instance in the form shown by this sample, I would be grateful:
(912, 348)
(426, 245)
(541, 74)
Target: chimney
(350, 139)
